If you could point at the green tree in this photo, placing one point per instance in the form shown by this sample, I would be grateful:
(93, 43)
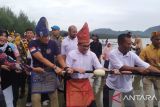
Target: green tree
(11, 22)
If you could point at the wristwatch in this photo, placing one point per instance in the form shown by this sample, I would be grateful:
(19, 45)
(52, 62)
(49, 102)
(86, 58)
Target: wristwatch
(55, 67)
(65, 68)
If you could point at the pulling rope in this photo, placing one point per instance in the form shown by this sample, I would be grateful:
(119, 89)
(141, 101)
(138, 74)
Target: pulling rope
(101, 72)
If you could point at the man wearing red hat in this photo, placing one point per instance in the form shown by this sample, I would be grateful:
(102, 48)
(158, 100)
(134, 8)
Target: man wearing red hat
(79, 92)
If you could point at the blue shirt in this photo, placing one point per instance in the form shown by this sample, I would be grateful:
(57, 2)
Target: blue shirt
(49, 51)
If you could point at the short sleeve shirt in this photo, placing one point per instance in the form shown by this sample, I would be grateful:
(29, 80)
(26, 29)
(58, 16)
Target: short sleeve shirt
(122, 83)
(49, 51)
(68, 45)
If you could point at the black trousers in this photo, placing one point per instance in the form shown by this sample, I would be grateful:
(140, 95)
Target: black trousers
(22, 83)
(29, 89)
(107, 97)
(15, 89)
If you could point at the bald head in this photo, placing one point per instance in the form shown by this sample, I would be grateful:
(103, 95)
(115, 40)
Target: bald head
(72, 31)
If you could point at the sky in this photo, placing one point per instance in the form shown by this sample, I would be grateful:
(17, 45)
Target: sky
(115, 14)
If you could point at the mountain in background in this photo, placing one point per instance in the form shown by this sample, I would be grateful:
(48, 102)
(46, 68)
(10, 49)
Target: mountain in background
(104, 32)
(151, 29)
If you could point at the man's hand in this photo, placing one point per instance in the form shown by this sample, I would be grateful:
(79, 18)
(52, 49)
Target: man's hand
(126, 72)
(18, 68)
(69, 70)
(5, 67)
(116, 71)
(142, 70)
(57, 70)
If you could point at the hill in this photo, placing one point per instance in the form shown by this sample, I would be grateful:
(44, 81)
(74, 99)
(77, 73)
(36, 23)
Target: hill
(107, 32)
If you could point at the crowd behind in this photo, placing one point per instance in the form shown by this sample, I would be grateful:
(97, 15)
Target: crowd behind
(48, 54)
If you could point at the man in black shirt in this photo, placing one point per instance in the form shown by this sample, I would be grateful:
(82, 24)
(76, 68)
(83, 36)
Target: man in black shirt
(96, 46)
(43, 51)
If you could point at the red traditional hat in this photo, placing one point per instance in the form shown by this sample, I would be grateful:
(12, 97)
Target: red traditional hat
(83, 35)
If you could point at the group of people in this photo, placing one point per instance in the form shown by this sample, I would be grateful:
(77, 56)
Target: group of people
(56, 67)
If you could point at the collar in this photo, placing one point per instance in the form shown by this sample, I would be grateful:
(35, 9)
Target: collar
(87, 54)
(120, 53)
(70, 38)
(57, 37)
(153, 47)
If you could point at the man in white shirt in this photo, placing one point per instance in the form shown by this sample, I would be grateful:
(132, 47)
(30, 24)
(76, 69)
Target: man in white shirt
(79, 91)
(124, 60)
(70, 42)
